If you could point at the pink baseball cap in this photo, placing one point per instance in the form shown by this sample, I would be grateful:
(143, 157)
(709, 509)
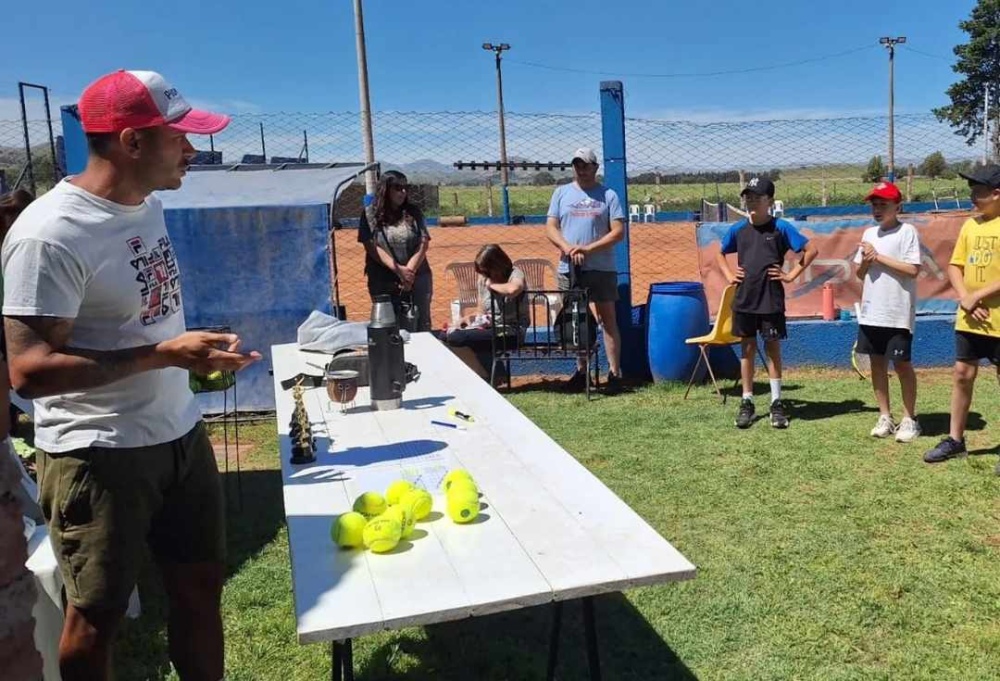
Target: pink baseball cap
(142, 99)
(885, 190)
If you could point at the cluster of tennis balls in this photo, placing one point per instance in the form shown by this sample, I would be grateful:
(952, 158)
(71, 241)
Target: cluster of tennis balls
(379, 522)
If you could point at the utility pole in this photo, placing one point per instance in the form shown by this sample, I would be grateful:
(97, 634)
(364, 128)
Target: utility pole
(890, 44)
(366, 108)
(504, 177)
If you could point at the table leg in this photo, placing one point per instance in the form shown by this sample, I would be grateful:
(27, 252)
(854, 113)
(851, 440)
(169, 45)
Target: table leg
(590, 632)
(550, 674)
(337, 662)
(342, 660)
(348, 661)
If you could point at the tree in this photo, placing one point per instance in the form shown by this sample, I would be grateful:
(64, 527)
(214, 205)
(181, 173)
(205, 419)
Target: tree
(875, 170)
(933, 166)
(979, 65)
(543, 179)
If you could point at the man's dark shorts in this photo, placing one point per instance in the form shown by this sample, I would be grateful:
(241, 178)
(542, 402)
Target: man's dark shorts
(891, 343)
(770, 326)
(103, 506)
(602, 286)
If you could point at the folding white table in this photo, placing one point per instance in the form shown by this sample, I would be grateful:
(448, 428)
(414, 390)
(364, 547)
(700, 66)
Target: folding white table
(549, 531)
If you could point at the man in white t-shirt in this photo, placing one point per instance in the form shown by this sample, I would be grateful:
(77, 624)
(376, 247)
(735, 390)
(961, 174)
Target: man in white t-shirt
(889, 261)
(96, 336)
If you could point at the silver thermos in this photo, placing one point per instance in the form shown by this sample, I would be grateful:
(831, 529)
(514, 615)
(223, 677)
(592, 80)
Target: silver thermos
(386, 364)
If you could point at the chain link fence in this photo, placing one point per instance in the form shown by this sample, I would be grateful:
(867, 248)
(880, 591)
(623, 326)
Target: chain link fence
(679, 173)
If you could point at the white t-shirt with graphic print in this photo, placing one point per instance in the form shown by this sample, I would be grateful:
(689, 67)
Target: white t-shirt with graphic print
(111, 269)
(888, 298)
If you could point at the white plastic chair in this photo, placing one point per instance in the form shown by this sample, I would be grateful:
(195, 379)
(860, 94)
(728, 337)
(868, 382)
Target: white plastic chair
(779, 209)
(633, 212)
(649, 213)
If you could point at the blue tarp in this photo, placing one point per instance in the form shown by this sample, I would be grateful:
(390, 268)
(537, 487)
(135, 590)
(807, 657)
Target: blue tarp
(260, 271)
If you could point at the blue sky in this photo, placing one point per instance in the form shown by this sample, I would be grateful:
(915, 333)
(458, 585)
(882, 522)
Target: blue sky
(298, 55)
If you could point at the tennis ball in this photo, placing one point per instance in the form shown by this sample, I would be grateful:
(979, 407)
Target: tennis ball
(455, 474)
(463, 485)
(347, 530)
(382, 534)
(396, 491)
(370, 504)
(420, 502)
(463, 506)
(404, 514)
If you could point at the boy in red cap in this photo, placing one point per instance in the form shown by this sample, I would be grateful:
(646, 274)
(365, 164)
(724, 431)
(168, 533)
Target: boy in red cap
(974, 272)
(888, 262)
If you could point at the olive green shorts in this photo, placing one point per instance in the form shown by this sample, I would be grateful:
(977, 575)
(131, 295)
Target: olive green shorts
(103, 506)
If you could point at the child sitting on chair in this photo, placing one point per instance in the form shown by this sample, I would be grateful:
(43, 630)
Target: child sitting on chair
(499, 286)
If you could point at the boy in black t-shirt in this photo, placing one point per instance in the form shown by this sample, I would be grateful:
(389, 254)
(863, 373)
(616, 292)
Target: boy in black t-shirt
(760, 244)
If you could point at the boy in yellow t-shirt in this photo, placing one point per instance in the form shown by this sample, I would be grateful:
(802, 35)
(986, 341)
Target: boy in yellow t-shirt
(974, 272)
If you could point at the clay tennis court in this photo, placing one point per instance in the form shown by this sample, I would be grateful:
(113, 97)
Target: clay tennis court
(665, 251)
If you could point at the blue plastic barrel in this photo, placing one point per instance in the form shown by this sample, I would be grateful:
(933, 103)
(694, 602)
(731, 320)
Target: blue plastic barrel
(675, 311)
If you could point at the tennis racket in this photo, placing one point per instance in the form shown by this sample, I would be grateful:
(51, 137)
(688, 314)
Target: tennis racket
(860, 363)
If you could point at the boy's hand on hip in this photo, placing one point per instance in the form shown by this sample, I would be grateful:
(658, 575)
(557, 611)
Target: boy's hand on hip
(737, 276)
(775, 273)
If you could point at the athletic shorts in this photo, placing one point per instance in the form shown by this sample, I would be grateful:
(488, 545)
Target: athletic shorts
(602, 287)
(769, 326)
(894, 344)
(973, 347)
(104, 505)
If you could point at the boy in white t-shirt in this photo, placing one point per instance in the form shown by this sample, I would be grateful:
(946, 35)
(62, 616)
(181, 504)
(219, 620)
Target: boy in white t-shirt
(888, 262)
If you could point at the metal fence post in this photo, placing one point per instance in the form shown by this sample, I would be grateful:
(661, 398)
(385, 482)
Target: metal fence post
(74, 140)
(633, 353)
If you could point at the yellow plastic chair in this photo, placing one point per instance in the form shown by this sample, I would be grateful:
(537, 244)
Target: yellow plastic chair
(721, 334)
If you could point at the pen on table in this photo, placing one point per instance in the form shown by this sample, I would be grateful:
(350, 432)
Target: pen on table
(447, 425)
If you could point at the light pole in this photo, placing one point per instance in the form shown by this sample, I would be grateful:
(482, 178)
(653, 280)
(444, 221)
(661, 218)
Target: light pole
(498, 50)
(890, 44)
(366, 112)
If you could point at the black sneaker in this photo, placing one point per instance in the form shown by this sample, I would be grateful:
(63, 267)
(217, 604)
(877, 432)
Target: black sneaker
(744, 417)
(612, 384)
(778, 417)
(948, 448)
(577, 383)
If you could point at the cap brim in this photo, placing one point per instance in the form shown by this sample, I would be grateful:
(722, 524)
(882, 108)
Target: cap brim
(755, 192)
(200, 122)
(876, 195)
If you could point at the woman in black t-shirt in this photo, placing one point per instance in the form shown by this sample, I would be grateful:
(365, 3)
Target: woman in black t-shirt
(396, 239)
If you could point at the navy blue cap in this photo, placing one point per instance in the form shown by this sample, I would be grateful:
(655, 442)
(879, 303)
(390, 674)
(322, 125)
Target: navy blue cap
(760, 186)
(988, 175)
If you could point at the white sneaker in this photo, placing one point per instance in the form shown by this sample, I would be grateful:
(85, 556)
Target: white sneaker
(884, 427)
(908, 430)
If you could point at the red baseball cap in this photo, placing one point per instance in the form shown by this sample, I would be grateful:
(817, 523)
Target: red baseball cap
(887, 191)
(141, 99)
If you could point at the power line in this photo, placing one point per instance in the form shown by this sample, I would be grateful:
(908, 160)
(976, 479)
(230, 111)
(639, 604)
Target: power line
(702, 74)
(927, 54)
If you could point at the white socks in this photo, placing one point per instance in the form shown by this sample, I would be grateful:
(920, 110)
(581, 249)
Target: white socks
(775, 389)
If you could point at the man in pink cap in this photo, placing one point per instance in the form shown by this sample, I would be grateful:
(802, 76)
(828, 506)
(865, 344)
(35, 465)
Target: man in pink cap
(95, 333)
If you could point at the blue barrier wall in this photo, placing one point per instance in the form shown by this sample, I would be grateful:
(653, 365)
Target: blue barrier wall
(828, 344)
(260, 271)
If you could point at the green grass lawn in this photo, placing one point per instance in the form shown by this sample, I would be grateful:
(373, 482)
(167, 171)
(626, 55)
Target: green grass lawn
(802, 187)
(822, 554)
